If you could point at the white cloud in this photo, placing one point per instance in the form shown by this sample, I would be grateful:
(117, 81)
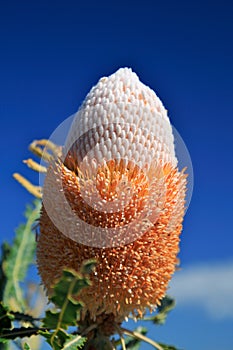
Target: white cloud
(209, 286)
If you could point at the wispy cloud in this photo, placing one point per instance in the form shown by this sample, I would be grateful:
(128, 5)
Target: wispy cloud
(209, 286)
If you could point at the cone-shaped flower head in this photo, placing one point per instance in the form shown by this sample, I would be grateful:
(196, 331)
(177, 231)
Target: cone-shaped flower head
(117, 196)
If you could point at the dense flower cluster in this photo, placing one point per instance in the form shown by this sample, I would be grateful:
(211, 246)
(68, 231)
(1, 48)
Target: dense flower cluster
(119, 179)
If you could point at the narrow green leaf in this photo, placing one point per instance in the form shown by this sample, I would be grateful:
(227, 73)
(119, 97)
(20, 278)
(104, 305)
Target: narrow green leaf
(5, 318)
(18, 332)
(74, 342)
(19, 316)
(5, 251)
(4, 344)
(5, 323)
(19, 258)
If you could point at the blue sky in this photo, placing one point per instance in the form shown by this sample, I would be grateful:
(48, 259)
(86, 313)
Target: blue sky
(53, 53)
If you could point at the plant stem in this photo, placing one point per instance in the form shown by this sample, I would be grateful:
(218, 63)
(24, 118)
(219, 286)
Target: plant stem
(142, 337)
(121, 337)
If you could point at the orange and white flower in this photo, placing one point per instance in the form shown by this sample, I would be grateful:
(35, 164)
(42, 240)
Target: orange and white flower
(115, 195)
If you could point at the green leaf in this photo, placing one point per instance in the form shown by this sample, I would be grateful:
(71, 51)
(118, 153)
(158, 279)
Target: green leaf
(74, 342)
(5, 251)
(5, 318)
(70, 284)
(67, 308)
(19, 258)
(45, 333)
(4, 344)
(26, 347)
(55, 339)
(5, 323)
(18, 333)
(19, 316)
(167, 304)
(51, 319)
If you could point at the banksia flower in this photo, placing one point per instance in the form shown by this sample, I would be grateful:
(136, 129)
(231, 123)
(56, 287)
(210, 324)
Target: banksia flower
(115, 195)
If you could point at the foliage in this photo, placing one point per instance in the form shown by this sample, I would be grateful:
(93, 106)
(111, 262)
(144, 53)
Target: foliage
(16, 260)
(167, 304)
(67, 311)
